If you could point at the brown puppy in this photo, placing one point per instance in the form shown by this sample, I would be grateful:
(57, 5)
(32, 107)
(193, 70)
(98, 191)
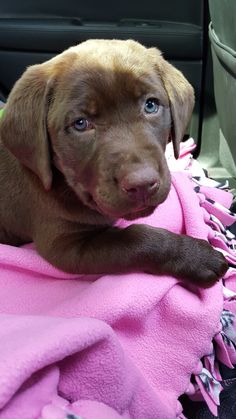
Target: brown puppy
(83, 139)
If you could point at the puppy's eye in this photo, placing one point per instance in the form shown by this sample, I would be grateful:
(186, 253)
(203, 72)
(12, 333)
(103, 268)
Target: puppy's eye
(82, 124)
(151, 105)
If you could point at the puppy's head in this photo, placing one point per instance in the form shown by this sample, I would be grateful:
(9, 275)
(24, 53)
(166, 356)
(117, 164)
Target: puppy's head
(102, 113)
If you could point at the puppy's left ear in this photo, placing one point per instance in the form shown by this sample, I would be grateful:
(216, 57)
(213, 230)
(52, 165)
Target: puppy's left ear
(181, 98)
(23, 127)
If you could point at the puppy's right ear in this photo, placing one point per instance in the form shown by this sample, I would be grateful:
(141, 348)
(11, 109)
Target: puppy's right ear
(180, 94)
(23, 126)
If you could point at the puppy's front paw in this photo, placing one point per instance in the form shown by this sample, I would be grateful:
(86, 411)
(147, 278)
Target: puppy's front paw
(205, 265)
(212, 269)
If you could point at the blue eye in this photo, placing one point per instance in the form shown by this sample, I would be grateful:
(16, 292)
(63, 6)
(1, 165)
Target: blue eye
(151, 105)
(82, 124)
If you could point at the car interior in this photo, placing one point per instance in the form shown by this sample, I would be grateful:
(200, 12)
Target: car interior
(31, 33)
(196, 36)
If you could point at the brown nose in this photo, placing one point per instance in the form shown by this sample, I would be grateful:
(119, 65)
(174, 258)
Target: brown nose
(140, 188)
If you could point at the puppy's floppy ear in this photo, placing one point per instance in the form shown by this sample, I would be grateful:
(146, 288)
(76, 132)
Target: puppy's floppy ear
(181, 98)
(24, 122)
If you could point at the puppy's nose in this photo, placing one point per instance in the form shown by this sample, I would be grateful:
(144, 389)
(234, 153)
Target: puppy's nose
(140, 189)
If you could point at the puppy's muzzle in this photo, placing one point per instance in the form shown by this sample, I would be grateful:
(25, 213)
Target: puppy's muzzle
(140, 186)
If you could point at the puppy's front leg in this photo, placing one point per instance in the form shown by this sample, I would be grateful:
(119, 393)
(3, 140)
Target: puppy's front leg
(135, 248)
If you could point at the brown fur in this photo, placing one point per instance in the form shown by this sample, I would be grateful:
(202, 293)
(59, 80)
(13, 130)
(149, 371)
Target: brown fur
(65, 189)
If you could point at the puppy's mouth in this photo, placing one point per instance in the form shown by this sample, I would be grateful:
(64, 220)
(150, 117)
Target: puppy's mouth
(145, 212)
(90, 202)
(133, 214)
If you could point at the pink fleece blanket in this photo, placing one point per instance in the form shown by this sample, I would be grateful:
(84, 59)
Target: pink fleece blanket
(117, 346)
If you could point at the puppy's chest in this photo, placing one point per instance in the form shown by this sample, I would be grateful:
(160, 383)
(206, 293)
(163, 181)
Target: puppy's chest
(85, 216)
